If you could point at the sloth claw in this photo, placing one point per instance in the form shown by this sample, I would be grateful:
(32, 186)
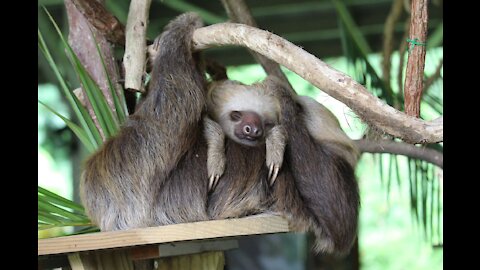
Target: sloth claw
(213, 181)
(272, 174)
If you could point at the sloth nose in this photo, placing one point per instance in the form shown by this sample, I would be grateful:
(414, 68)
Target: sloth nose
(252, 131)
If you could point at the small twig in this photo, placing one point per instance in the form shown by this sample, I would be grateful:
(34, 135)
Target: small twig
(389, 30)
(238, 12)
(334, 83)
(100, 18)
(430, 80)
(416, 57)
(399, 148)
(401, 53)
(135, 45)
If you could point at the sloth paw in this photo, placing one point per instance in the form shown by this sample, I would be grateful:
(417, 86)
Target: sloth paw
(275, 148)
(215, 168)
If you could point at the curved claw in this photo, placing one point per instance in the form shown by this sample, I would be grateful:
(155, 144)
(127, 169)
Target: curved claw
(213, 181)
(272, 174)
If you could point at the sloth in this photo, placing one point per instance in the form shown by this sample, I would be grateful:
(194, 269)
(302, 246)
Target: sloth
(249, 115)
(287, 158)
(317, 184)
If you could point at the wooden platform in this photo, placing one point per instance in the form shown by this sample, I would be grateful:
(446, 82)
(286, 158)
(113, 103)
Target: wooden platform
(156, 242)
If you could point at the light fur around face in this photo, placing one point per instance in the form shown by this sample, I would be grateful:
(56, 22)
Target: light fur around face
(153, 171)
(315, 186)
(225, 97)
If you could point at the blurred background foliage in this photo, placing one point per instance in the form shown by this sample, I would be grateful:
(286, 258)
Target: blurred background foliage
(401, 215)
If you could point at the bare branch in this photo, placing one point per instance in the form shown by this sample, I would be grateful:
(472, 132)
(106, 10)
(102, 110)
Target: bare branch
(401, 53)
(136, 43)
(336, 84)
(399, 148)
(393, 17)
(416, 57)
(238, 12)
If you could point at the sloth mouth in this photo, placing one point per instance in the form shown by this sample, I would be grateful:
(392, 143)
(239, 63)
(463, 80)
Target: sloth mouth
(248, 140)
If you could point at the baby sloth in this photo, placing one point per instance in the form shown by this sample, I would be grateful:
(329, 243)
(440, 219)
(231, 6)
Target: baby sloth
(247, 115)
(250, 116)
(310, 161)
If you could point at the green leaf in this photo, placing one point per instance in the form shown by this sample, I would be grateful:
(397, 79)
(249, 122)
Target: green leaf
(439, 207)
(89, 229)
(356, 49)
(48, 207)
(412, 188)
(46, 218)
(119, 103)
(81, 134)
(99, 105)
(54, 198)
(77, 108)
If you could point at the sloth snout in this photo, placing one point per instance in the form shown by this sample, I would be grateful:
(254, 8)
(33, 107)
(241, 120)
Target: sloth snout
(252, 131)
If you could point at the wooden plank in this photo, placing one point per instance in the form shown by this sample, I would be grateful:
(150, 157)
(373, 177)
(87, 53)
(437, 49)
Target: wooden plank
(100, 260)
(214, 260)
(185, 248)
(180, 248)
(261, 224)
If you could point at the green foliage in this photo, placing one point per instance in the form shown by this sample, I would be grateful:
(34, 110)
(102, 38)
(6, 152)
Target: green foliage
(53, 210)
(56, 211)
(389, 239)
(425, 199)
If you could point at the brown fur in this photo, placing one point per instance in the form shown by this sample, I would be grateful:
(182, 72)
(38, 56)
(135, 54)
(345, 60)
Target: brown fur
(316, 188)
(154, 171)
(142, 176)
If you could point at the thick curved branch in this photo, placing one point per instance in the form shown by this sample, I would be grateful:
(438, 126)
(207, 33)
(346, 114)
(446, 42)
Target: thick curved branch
(238, 12)
(399, 148)
(336, 84)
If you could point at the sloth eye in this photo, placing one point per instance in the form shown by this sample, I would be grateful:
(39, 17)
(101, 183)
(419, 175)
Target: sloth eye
(235, 115)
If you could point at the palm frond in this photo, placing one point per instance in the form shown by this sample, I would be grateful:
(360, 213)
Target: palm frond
(425, 201)
(57, 211)
(356, 50)
(54, 210)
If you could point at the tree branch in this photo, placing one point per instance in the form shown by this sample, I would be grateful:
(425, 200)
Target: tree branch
(238, 12)
(82, 37)
(399, 148)
(401, 53)
(393, 17)
(416, 57)
(135, 44)
(100, 18)
(336, 84)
